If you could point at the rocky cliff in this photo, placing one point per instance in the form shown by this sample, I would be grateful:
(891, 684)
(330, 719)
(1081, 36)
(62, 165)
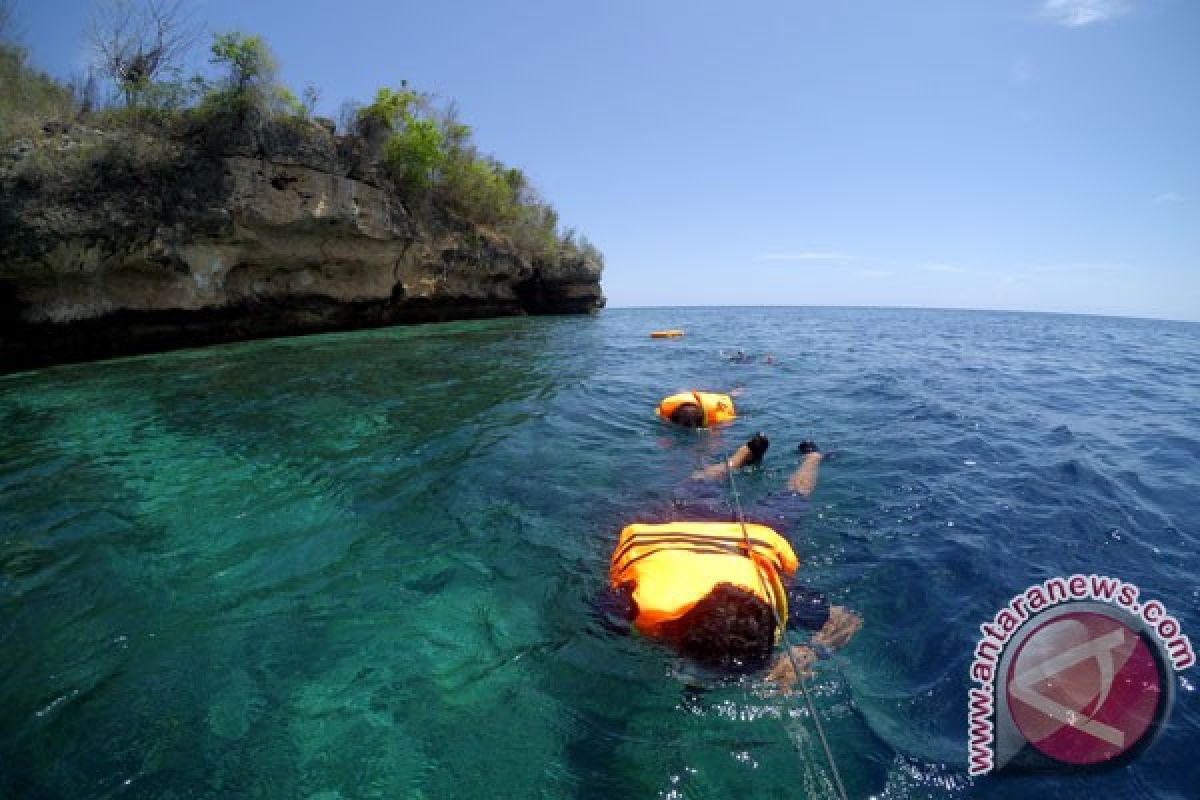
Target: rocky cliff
(117, 243)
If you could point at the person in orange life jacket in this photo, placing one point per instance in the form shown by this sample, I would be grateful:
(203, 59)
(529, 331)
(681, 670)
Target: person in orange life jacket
(691, 584)
(698, 409)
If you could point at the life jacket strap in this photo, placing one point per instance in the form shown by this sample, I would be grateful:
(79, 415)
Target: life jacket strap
(733, 544)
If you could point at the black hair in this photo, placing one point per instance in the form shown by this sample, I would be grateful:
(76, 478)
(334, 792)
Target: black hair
(689, 415)
(730, 629)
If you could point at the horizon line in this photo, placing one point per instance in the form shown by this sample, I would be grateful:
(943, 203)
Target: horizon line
(905, 308)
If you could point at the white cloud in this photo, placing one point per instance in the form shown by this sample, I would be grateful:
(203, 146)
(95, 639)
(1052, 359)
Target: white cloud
(1078, 13)
(804, 256)
(1169, 197)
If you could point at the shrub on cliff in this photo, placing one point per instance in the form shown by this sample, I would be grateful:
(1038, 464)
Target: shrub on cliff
(389, 111)
(415, 156)
(28, 98)
(475, 187)
(161, 108)
(410, 144)
(249, 89)
(88, 162)
(428, 155)
(534, 233)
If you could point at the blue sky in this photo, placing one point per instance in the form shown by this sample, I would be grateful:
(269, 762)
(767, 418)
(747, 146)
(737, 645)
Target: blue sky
(1029, 154)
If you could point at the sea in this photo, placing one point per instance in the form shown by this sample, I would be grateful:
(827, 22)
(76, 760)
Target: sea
(363, 565)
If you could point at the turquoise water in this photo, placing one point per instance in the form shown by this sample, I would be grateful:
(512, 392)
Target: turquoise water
(359, 565)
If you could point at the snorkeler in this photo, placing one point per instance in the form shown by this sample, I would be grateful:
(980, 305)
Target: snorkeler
(697, 409)
(742, 357)
(713, 589)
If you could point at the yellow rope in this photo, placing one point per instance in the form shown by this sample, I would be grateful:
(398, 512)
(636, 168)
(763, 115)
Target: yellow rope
(787, 643)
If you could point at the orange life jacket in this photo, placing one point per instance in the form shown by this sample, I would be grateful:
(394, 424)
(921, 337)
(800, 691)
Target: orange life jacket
(674, 565)
(717, 407)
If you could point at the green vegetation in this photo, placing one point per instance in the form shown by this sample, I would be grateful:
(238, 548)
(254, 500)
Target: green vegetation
(250, 84)
(416, 144)
(430, 158)
(415, 155)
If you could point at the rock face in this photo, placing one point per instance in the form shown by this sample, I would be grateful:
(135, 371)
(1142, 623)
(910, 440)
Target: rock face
(114, 245)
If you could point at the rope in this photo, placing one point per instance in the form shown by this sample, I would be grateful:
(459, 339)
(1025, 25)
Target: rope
(787, 642)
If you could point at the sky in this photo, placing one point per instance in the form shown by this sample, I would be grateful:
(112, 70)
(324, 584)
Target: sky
(1038, 155)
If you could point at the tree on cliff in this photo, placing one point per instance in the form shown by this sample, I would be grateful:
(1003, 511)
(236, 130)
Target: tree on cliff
(138, 42)
(251, 81)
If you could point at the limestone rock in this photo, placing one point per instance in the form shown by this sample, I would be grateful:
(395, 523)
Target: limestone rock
(114, 244)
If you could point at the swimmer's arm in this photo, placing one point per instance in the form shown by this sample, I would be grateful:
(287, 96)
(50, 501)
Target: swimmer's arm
(783, 674)
(839, 629)
(804, 479)
(837, 632)
(740, 458)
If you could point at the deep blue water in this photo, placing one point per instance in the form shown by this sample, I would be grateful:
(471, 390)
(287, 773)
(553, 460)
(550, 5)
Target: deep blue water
(359, 565)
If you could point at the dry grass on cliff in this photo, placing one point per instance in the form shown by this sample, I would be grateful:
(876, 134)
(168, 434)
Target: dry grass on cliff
(28, 99)
(87, 163)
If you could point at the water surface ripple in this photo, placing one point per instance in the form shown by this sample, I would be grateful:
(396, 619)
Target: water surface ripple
(359, 565)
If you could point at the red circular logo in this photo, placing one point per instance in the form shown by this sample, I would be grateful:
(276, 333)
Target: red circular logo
(1083, 688)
